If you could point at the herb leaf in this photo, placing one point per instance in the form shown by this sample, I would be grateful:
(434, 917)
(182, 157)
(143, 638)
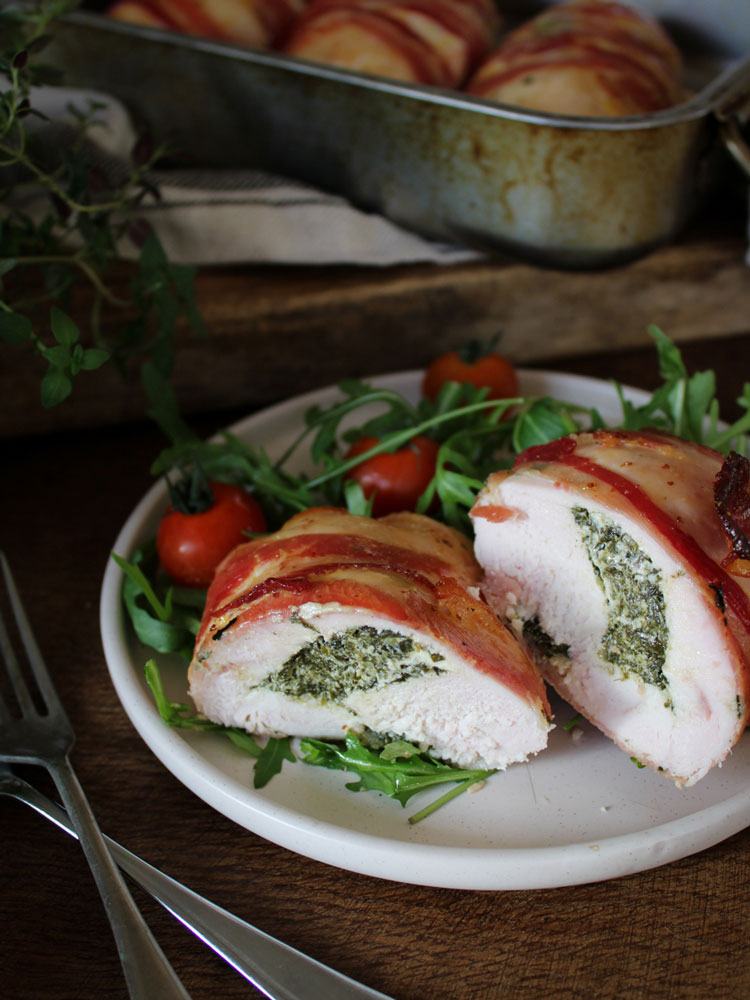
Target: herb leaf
(182, 716)
(167, 623)
(83, 213)
(174, 713)
(271, 758)
(686, 404)
(400, 770)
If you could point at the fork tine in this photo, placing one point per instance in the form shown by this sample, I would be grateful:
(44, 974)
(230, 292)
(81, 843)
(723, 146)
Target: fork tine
(38, 666)
(13, 670)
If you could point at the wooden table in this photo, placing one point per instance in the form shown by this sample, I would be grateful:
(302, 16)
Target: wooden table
(272, 329)
(679, 931)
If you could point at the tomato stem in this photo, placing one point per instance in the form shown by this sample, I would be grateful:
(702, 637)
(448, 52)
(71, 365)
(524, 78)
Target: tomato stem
(191, 493)
(475, 350)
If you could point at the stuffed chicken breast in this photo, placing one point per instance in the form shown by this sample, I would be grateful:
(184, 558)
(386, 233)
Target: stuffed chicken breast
(614, 555)
(339, 622)
(585, 57)
(437, 42)
(260, 23)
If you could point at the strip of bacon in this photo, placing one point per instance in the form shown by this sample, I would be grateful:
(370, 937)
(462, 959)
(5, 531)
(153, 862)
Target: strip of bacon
(260, 23)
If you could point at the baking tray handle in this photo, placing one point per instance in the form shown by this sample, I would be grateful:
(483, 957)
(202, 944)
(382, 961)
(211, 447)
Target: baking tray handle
(732, 116)
(735, 142)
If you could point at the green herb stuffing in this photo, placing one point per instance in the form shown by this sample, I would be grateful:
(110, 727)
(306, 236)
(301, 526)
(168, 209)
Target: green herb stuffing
(535, 635)
(635, 640)
(357, 659)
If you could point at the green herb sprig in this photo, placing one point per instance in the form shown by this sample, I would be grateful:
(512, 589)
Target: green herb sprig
(164, 617)
(74, 240)
(269, 758)
(399, 770)
(685, 403)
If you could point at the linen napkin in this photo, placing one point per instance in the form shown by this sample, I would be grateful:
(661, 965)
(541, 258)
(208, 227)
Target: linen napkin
(235, 216)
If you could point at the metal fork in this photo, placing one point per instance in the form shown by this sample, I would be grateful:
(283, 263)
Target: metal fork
(46, 737)
(279, 971)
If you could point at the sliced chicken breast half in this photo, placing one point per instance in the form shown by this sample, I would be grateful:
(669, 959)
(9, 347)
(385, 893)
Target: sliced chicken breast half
(606, 553)
(339, 622)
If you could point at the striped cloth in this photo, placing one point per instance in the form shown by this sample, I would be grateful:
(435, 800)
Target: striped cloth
(208, 216)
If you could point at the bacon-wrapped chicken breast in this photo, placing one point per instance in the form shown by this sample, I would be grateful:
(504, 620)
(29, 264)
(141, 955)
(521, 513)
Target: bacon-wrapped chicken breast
(138, 12)
(437, 42)
(338, 622)
(617, 556)
(585, 57)
(260, 23)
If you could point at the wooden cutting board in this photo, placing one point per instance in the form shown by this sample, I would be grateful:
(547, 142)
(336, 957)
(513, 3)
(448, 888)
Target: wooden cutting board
(276, 331)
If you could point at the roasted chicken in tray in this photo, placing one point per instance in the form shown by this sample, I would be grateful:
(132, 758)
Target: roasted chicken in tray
(260, 23)
(581, 57)
(436, 42)
(585, 57)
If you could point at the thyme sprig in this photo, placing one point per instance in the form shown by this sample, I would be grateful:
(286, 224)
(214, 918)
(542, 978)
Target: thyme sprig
(83, 213)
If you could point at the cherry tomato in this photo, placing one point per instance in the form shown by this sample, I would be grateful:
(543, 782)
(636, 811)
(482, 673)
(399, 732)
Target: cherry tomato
(489, 370)
(396, 481)
(191, 546)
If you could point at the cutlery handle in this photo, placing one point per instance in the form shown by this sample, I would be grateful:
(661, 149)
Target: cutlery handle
(147, 972)
(276, 969)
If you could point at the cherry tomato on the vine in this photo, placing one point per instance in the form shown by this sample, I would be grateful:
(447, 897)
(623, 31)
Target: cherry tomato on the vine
(481, 369)
(191, 546)
(395, 481)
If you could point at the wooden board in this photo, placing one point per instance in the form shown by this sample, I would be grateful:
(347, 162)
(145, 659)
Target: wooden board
(276, 331)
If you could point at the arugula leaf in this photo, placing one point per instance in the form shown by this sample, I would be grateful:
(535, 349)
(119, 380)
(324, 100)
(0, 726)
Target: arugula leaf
(270, 760)
(541, 421)
(356, 501)
(671, 365)
(736, 435)
(399, 770)
(168, 623)
(686, 404)
(175, 713)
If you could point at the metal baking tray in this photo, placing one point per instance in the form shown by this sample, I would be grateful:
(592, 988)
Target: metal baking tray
(559, 191)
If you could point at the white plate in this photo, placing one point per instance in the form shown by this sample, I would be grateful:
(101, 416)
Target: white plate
(579, 812)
